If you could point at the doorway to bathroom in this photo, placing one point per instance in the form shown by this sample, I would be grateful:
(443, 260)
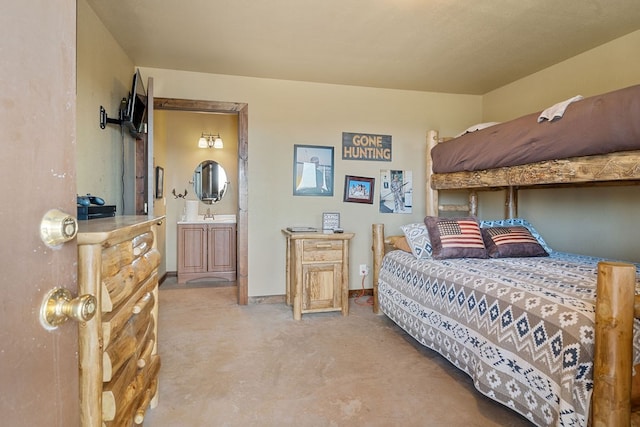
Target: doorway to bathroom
(240, 113)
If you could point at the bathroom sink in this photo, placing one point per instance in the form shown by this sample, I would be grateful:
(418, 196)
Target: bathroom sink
(222, 218)
(217, 219)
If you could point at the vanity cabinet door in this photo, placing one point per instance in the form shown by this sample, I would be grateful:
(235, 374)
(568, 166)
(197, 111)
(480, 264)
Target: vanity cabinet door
(222, 248)
(192, 249)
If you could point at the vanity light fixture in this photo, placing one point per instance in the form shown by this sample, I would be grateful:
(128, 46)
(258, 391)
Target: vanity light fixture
(209, 140)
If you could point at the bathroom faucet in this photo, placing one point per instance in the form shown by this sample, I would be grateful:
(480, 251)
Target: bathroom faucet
(209, 214)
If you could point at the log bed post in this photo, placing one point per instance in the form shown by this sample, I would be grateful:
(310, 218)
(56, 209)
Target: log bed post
(378, 254)
(511, 202)
(431, 195)
(473, 203)
(613, 358)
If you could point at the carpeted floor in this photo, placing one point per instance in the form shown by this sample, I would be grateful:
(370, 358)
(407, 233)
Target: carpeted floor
(230, 365)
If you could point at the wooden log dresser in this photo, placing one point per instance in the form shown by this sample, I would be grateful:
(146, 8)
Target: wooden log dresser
(118, 263)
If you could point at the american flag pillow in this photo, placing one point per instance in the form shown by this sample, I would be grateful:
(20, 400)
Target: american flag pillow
(517, 241)
(455, 237)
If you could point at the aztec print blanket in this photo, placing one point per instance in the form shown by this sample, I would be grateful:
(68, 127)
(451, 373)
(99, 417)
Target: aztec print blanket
(521, 328)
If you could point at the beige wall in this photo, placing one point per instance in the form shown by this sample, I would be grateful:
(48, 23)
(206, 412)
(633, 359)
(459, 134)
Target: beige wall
(284, 113)
(593, 221)
(105, 157)
(104, 75)
(611, 66)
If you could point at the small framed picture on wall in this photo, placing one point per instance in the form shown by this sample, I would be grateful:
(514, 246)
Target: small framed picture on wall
(159, 182)
(358, 189)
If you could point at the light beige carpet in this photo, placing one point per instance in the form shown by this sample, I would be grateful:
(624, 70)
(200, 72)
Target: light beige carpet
(230, 365)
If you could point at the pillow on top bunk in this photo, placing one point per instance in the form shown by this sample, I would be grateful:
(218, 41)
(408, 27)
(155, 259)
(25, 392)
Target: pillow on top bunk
(455, 237)
(479, 126)
(507, 242)
(418, 239)
(517, 221)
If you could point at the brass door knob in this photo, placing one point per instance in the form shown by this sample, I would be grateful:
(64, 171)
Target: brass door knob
(59, 306)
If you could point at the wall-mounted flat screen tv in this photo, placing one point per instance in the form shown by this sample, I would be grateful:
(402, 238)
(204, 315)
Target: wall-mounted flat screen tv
(135, 114)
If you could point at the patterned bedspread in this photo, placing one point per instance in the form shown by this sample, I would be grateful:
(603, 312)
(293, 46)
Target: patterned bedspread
(522, 328)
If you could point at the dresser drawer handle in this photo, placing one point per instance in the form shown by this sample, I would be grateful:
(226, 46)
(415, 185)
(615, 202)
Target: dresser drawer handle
(324, 246)
(142, 303)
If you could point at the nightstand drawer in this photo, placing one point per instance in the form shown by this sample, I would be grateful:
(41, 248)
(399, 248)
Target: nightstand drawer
(322, 250)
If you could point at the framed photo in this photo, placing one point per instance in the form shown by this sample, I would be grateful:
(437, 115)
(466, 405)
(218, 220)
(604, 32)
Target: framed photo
(396, 195)
(312, 170)
(358, 189)
(330, 220)
(159, 182)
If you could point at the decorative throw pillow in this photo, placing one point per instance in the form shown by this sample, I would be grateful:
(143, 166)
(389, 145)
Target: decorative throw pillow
(517, 221)
(504, 242)
(418, 239)
(455, 237)
(400, 242)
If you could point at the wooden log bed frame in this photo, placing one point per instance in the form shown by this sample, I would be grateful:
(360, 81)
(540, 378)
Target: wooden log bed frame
(615, 399)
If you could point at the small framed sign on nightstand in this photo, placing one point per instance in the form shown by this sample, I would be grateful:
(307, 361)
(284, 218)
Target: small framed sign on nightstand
(330, 220)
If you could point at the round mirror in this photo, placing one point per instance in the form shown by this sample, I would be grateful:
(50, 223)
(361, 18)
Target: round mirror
(209, 182)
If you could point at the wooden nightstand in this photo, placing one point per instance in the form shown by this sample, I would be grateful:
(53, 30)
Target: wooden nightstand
(317, 272)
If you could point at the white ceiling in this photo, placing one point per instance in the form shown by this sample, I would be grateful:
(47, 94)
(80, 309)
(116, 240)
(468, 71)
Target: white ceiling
(457, 46)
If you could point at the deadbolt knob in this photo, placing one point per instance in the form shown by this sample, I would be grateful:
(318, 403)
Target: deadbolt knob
(57, 228)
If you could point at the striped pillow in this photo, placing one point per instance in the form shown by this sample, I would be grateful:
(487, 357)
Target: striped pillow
(513, 222)
(455, 237)
(507, 242)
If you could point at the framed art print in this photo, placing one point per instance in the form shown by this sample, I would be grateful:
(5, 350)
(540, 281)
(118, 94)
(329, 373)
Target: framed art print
(396, 194)
(358, 189)
(160, 182)
(312, 170)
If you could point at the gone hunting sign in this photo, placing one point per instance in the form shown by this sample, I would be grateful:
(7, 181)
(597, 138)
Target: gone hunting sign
(364, 146)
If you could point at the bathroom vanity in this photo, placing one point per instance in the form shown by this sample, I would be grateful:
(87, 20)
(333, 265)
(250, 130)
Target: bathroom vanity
(207, 248)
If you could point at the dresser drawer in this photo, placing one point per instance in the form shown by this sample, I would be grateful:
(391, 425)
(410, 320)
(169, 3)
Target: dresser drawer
(322, 250)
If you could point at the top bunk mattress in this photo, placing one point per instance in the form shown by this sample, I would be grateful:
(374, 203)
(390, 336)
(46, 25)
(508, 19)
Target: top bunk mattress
(599, 124)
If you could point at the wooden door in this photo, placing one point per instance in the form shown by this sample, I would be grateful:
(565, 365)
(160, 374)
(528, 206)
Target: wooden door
(192, 249)
(144, 163)
(222, 248)
(321, 286)
(38, 368)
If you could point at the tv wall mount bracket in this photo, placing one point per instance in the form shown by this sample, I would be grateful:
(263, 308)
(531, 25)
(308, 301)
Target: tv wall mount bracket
(104, 119)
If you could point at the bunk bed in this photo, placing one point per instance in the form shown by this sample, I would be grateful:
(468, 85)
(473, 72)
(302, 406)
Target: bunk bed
(554, 336)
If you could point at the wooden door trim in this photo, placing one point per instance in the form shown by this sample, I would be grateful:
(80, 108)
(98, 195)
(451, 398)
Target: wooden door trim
(242, 110)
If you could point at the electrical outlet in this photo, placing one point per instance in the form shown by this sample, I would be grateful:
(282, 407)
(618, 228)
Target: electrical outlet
(364, 269)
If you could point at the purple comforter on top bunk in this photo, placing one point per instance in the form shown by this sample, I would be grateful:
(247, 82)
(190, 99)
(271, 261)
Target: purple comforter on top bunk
(597, 125)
